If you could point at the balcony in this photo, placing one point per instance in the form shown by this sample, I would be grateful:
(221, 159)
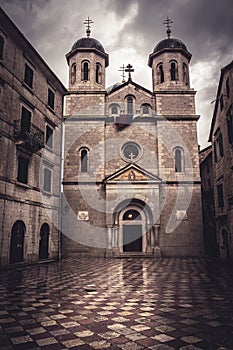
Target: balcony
(30, 138)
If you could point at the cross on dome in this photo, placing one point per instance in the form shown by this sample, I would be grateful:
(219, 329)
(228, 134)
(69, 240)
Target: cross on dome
(167, 23)
(88, 21)
(122, 69)
(129, 69)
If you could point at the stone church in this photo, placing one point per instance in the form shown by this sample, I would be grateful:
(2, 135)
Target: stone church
(131, 184)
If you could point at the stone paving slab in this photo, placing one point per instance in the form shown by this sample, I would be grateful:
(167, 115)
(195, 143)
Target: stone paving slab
(117, 304)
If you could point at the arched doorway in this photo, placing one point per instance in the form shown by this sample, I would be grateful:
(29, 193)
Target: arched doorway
(132, 231)
(17, 242)
(44, 242)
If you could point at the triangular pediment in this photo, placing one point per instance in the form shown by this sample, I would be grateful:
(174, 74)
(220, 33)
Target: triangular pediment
(132, 173)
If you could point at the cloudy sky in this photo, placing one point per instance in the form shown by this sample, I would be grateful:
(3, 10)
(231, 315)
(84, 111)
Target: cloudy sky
(129, 30)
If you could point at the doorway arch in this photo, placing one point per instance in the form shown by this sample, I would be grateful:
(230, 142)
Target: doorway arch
(17, 242)
(133, 221)
(44, 242)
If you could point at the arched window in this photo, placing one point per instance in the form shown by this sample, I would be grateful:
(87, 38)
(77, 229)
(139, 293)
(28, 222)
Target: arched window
(179, 160)
(98, 73)
(84, 160)
(185, 74)
(132, 214)
(85, 71)
(129, 105)
(145, 109)
(114, 109)
(174, 70)
(73, 73)
(160, 73)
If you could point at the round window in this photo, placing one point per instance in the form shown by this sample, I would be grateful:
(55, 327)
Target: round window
(131, 151)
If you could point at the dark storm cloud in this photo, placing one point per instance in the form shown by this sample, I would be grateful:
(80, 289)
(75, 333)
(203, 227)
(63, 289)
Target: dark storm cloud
(206, 25)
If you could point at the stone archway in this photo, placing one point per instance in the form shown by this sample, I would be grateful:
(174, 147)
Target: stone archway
(17, 242)
(44, 242)
(133, 229)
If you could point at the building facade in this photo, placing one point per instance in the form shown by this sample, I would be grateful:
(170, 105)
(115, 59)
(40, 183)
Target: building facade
(208, 204)
(131, 163)
(31, 106)
(221, 138)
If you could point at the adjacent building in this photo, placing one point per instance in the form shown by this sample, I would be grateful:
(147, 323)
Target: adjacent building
(31, 106)
(221, 138)
(131, 163)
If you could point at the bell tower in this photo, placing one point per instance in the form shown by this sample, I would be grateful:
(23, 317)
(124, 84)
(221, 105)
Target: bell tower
(170, 76)
(87, 62)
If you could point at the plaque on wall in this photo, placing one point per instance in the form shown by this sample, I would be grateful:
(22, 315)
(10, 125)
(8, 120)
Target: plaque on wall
(83, 216)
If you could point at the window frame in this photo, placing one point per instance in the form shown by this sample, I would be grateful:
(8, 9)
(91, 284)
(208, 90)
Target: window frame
(160, 73)
(22, 176)
(98, 73)
(28, 75)
(84, 169)
(51, 98)
(85, 70)
(181, 168)
(220, 195)
(50, 137)
(174, 71)
(73, 73)
(49, 171)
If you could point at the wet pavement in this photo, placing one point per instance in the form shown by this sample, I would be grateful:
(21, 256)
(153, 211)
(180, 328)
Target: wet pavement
(115, 304)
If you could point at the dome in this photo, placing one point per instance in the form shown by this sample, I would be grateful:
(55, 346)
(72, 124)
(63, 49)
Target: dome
(89, 43)
(170, 43)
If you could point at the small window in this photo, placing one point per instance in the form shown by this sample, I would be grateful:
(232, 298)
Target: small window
(160, 74)
(178, 160)
(22, 170)
(1, 47)
(220, 144)
(221, 103)
(145, 110)
(51, 97)
(84, 160)
(47, 180)
(98, 73)
(28, 75)
(49, 136)
(73, 73)
(185, 74)
(25, 120)
(228, 87)
(130, 105)
(215, 152)
(85, 71)
(220, 196)
(114, 110)
(174, 71)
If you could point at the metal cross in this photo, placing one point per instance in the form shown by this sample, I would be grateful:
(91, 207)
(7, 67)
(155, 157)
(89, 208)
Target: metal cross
(122, 69)
(167, 23)
(88, 21)
(129, 69)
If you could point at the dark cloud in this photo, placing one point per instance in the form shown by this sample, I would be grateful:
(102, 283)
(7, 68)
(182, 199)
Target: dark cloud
(206, 27)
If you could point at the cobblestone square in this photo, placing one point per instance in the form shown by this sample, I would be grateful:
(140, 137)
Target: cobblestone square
(171, 303)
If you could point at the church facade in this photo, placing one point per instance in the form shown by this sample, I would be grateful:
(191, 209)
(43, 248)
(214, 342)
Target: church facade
(131, 164)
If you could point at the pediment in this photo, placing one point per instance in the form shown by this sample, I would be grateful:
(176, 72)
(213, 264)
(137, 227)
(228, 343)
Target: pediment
(132, 173)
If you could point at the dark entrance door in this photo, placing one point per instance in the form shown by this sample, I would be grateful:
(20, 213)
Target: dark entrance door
(132, 238)
(44, 242)
(17, 242)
